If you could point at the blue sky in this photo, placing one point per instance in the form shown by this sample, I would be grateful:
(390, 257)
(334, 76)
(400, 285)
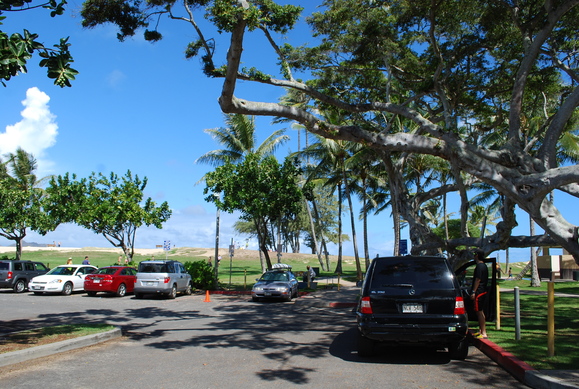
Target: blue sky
(141, 107)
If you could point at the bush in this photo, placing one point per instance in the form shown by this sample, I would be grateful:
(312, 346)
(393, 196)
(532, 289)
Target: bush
(202, 276)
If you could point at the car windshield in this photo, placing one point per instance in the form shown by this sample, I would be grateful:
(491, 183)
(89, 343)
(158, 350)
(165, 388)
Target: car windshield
(62, 271)
(106, 270)
(275, 276)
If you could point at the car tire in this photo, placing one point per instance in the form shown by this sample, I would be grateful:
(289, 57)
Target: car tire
(91, 294)
(67, 289)
(19, 286)
(173, 293)
(366, 347)
(458, 350)
(188, 290)
(121, 290)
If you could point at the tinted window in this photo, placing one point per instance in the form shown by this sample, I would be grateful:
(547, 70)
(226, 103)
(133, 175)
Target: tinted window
(4, 266)
(29, 266)
(418, 273)
(40, 267)
(18, 266)
(107, 270)
(153, 268)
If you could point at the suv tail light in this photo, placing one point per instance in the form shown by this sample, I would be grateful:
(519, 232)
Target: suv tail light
(459, 306)
(365, 306)
(166, 280)
(9, 275)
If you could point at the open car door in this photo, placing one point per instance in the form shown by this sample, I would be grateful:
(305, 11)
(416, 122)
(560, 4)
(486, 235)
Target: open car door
(465, 274)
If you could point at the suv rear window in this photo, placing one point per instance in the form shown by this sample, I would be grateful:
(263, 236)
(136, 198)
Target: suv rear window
(418, 273)
(155, 268)
(4, 266)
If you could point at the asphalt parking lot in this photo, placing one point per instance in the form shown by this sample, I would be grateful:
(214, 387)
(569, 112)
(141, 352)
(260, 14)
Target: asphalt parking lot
(225, 343)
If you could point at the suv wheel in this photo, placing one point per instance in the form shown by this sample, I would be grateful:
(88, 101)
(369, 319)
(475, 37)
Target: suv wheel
(188, 290)
(365, 346)
(19, 286)
(173, 293)
(458, 350)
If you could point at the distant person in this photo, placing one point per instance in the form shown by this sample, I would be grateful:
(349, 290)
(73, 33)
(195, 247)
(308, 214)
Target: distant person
(86, 261)
(479, 293)
(498, 270)
(309, 274)
(126, 260)
(510, 272)
(120, 260)
(69, 262)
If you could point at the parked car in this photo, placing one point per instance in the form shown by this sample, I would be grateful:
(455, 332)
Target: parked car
(412, 301)
(119, 280)
(162, 277)
(277, 283)
(16, 274)
(63, 279)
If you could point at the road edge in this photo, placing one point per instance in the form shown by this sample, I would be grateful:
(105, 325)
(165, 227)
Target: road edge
(30, 353)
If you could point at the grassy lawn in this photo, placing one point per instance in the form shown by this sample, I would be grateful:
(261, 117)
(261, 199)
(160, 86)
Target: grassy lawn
(532, 347)
(37, 337)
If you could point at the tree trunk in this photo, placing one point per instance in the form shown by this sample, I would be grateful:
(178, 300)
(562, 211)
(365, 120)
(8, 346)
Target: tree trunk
(339, 264)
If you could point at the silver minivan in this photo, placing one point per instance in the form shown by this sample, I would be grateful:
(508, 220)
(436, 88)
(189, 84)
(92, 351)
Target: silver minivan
(162, 277)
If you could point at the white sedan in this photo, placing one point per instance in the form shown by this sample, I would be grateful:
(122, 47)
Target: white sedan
(63, 279)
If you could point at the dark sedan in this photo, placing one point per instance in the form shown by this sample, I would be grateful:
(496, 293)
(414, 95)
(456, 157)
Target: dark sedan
(119, 280)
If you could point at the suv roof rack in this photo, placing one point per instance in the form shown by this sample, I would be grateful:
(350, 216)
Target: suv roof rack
(281, 266)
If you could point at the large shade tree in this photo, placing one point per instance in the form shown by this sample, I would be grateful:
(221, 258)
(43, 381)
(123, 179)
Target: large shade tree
(261, 189)
(439, 65)
(114, 207)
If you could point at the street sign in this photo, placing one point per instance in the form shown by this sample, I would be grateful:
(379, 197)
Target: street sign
(167, 245)
(403, 246)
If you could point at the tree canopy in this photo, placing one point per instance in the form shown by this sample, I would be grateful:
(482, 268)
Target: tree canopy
(260, 188)
(112, 206)
(490, 87)
(17, 49)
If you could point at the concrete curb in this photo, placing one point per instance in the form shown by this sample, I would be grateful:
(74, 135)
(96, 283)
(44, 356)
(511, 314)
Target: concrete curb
(57, 347)
(523, 372)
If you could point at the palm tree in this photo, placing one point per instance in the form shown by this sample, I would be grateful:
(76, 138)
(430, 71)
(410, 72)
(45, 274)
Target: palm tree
(239, 139)
(22, 193)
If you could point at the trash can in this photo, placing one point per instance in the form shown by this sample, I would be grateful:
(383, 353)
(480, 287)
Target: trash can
(317, 271)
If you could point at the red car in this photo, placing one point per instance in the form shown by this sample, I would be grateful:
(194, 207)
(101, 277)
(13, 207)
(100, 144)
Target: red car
(119, 280)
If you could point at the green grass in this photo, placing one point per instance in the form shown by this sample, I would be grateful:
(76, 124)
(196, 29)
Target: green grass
(532, 347)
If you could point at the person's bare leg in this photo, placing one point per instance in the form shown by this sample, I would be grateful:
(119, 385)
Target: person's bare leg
(482, 322)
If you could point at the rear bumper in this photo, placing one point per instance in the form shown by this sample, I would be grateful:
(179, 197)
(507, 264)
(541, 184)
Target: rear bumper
(413, 333)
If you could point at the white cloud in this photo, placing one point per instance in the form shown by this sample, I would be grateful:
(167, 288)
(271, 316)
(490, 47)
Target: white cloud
(36, 132)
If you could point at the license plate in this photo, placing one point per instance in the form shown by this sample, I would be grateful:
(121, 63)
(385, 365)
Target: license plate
(96, 281)
(267, 294)
(38, 287)
(411, 308)
(150, 283)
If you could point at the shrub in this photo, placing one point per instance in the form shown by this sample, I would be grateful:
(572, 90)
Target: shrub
(202, 276)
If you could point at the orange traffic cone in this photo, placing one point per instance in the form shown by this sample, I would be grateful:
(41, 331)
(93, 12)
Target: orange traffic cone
(207, 298)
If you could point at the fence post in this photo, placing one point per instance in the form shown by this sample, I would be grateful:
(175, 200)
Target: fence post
(517, 314)
(498, 309)
(550, 319)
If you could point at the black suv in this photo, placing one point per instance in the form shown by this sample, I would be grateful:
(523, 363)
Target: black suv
(16, 274)
(412, 301)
